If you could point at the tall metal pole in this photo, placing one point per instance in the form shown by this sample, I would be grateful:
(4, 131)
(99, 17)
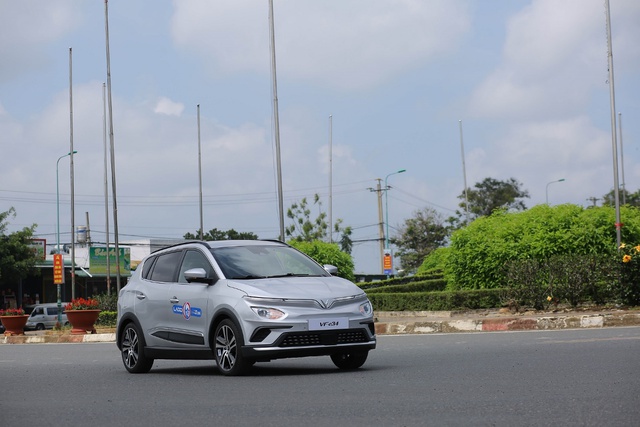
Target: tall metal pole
(330, 179)
(464, 173)
(547, 189)
(614, 140)
(71, 168)
(113, 157)
(276, 120)
(58, 236)
(624, 189)
(200, 178)
(106, 185)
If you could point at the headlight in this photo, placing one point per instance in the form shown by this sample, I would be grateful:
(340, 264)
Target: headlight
(366, 309)
(269, 313)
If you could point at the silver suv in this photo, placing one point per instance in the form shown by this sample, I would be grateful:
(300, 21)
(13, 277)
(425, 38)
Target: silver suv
(240, 302)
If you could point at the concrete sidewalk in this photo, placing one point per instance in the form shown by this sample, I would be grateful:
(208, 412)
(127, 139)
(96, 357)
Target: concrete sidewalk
(414, 322)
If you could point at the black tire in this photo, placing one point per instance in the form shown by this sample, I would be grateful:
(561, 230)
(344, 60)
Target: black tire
(39, 327)
(227, 343)
(349, 361)
(132, 350)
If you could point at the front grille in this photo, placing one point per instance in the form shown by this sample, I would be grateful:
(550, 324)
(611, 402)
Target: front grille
(311, 338)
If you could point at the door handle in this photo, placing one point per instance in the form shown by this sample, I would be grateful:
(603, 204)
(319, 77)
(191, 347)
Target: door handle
(140, 296)
(174, 300)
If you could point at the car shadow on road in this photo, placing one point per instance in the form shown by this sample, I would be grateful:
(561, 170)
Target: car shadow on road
(260, 370)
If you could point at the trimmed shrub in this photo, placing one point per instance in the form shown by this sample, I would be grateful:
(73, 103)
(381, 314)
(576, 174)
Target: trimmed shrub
(107, 318)
(436, 301)
(417, 286)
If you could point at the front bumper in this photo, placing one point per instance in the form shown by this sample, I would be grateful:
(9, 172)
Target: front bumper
(314, 343)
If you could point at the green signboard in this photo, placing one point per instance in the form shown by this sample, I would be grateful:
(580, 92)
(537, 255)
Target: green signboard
(98, 261)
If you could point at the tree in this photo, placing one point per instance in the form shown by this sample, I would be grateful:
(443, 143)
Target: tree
(419, 236)
(489, 195)
(631, 199)
(327, 253)
(215, 234)
(305, 229)
(17, 259)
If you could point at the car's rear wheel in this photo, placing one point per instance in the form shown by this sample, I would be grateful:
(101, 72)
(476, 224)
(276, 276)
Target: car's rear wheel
(349, 361)
(132, 350)
(228, 340)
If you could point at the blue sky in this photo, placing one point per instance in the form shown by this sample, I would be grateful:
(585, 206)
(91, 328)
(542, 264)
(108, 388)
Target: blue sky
(528, 79)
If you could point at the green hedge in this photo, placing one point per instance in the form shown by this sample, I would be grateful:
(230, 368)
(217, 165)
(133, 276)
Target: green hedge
(432, 285)
(107, 318)
(397, 281)
(437, 301)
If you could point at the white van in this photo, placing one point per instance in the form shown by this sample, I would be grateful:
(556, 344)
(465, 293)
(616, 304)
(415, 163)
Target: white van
(45, 316)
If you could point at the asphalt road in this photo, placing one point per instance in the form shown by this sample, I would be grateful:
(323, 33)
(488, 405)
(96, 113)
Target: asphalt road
(567, 377)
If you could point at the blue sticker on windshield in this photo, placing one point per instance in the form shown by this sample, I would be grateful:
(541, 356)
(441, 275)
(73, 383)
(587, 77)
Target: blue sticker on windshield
(187, 311)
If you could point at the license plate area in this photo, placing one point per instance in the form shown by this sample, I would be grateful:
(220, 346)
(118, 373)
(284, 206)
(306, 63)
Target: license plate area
(328, 324)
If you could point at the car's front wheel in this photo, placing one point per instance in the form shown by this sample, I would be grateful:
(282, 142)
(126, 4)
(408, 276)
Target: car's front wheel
(349, 361)
(228, 340)
(132, 350)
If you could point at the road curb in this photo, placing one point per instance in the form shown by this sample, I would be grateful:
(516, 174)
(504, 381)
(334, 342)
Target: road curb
(58, 338)
(496, 324)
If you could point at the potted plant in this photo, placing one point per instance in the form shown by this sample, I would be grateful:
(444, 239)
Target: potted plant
(82, 313)
(13, 320)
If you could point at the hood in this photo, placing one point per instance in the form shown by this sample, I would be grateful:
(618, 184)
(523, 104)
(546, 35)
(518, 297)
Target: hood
(316, 288)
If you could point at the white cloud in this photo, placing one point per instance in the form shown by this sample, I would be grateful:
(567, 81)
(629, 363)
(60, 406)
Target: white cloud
(347, 44)
(554, 57)
(27, 27)
(536, 153)
(168, 107)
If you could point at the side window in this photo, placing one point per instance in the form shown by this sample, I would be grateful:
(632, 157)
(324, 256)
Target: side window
(166, 267)
(53, 311)
(38, 311)
(194, 259)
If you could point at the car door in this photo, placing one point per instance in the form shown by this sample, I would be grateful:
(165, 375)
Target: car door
(190, 302)
(153, 304)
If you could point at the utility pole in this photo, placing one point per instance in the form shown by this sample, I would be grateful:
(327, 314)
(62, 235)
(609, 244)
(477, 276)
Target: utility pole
(379, 190)
(593, 200)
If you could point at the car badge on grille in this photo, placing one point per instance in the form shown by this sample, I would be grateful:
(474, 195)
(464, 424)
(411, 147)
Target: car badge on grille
(325, 303)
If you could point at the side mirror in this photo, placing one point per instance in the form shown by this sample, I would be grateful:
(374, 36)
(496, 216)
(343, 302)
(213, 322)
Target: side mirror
(198, 275)
(331, 269)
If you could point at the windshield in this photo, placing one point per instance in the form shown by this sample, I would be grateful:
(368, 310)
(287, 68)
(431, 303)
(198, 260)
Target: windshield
(259, 262)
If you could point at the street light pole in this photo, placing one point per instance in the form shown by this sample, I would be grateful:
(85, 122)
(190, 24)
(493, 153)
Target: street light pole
(58, 228)
(386, 205)
(547, 190)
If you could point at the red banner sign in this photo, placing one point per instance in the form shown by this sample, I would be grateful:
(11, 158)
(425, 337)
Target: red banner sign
(58, 269)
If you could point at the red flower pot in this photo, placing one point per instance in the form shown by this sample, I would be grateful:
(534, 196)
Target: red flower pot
(82, 321)
(14, 325)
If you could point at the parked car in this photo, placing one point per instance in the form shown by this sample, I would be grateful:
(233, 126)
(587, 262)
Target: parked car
(240, 302)
(45, 316)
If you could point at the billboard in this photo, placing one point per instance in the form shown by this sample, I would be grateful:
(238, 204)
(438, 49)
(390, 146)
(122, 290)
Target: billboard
(39, 247)
(98, 261)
